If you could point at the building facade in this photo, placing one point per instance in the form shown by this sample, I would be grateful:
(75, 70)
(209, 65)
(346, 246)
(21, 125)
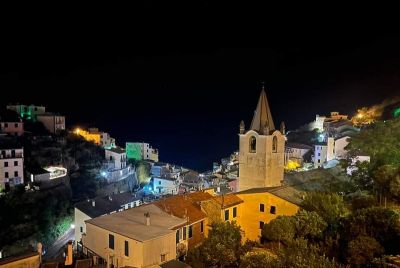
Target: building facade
(13, 128)
(261, 150)
(27, 111)
(52, 122)
(11, 167)
(141, 151)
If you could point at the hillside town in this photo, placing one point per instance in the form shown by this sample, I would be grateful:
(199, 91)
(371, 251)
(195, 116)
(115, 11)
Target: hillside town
(85, 200)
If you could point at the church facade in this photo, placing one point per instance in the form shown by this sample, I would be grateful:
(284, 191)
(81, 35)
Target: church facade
(261, 150)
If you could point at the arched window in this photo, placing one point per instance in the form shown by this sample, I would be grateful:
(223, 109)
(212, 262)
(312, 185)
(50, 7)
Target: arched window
(274, 144)
(252, 144)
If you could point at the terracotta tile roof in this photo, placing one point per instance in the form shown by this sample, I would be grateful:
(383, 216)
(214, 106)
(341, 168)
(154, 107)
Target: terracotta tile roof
(180, 205)
(227, 200)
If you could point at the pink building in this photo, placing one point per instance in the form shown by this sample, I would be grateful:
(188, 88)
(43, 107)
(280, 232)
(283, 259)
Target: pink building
(13, 128)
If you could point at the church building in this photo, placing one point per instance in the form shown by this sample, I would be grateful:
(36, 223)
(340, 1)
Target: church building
(261, 150)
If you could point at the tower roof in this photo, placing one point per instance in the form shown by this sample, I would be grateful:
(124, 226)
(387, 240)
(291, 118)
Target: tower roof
(262, 115)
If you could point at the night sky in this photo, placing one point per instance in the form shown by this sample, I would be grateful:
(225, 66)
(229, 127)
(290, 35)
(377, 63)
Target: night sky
(188, 102)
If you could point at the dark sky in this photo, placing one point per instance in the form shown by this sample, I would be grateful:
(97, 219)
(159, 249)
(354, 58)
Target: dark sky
(188, 102)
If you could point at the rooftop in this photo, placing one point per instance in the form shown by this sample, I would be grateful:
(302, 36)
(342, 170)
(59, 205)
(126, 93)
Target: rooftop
(132, 223)
(185, 205)
(227, 200)
(298, 145)
(103, 205)
(117, 150)
(287, 193)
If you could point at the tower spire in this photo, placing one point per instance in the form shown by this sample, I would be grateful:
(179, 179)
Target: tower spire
(262, 115)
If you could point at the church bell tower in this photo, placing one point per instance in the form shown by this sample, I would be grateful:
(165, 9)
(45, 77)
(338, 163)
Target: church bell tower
(261, 150)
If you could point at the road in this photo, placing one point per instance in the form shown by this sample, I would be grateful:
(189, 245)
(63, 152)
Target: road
(55, 250)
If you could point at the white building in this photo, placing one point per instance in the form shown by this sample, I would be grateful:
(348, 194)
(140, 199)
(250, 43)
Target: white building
(296, 152)
(166, 185)
(101, 206)
(324, 152)
(11, 166)
(116, 157)
(52, 122)
(340, 144)
(27, 111)
(106, 141)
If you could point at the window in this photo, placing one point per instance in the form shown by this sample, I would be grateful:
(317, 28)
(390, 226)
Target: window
(177, 236)
(6, 125)
(227, 214)
(127, 248)
(252, 144)
(234, 212)
(202, 226)
(274, 144)
(190, 231)
(262, 207)
(261, 225)
(272, 210)
(15, 173)
(319, 154)
(162, 257)
(159, 182)
(111, 241)
(16, 125)
(6, 174)
(6, 164)
(81, 229)
(15, 163)
(184, 233)
(319, 160)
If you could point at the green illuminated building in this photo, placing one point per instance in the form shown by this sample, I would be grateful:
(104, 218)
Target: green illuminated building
(133, 150)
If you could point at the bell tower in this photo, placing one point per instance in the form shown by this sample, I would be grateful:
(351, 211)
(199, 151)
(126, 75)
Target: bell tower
(261, 150)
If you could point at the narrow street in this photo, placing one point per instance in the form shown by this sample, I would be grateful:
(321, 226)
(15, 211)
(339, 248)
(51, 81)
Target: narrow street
(55, 250)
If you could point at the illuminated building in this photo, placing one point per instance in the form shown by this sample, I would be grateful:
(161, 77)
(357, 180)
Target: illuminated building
(261, 150)
(29, 112)
(141, 151)
(98, 137)
(11, 166)
(296, 152)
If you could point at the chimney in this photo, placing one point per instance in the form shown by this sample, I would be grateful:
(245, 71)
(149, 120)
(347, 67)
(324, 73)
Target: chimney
(93, 203)
(147, 215)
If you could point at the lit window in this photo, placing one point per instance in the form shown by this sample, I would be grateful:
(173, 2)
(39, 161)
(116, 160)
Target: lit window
(272, 210)
(262, 207)
(252, 144)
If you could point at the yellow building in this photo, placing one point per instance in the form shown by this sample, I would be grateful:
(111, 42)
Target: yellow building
(261, 150)
(93, 136)
(261, 205)
(30, 260)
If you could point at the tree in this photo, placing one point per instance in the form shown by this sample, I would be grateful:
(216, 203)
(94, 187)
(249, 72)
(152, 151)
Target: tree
(281, 229)
(309, 224)
(258, 259)
(361, 176)
(363, 249)
(379, 223)
(221, 248)
(300, 254)
(329, 206)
